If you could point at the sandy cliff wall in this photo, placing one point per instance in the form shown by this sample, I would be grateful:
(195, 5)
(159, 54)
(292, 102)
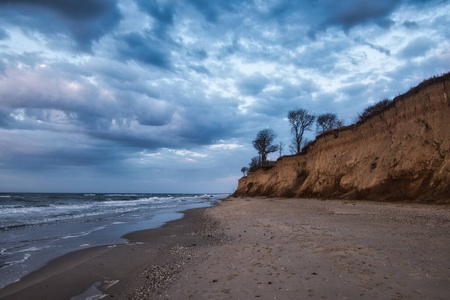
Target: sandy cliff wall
(402, 153)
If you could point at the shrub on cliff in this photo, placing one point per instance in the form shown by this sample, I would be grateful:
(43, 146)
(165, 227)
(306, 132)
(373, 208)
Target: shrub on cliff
(327, 122)
(255, 164)
(373, 109)
(244, 170)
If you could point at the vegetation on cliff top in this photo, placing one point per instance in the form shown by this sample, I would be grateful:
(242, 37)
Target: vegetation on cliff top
(302, 120)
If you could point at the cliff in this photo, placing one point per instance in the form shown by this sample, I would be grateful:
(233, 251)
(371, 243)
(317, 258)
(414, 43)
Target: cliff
(401, 153)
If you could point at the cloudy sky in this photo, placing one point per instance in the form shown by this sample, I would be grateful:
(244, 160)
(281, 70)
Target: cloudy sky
(166, 96)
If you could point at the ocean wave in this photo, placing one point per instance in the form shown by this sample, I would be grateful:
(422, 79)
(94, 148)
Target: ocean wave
(5, 196)
(83, 233)
(45, 220)
(30, 249)
(122, 195)
(33, 249)
(42, 220)
(15, 262)
(141, 201)
(14, 216)
(10, 206)
(20, 209)
(5, 227)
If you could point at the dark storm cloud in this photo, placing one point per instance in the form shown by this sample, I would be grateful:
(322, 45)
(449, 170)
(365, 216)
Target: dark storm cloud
(346, 14)
(131, 119)
(84, 20)
(349, 13)
(162, 11)
(213, 9)
(375, 47)
(164, 87)
(80, 9)
(410, 24)
(142, 48)
(56, 103)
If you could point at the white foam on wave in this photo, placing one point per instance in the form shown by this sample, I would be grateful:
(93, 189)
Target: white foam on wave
(5, 251)
(33, 249)
(15, 262)
(35, 216)
(140, 201)
(25, 216)
(121, 195)
(83, 233)
(5, 196)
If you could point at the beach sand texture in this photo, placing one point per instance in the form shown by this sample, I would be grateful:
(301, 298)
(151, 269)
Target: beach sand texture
(312, 249)
(248, 248)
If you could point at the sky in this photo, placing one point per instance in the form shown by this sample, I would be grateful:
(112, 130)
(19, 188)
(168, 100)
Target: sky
(167, 96)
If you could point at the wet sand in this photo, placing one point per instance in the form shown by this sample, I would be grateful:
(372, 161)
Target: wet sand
(265, 248)
(144, 266)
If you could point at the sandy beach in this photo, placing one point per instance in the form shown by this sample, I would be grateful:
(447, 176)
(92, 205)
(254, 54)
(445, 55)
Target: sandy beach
(270, 248)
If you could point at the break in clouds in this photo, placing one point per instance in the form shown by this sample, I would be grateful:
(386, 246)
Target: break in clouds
(163, 96)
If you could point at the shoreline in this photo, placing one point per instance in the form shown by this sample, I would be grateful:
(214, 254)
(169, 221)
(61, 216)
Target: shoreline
(268, 248)
(116, 270)
(39, 227)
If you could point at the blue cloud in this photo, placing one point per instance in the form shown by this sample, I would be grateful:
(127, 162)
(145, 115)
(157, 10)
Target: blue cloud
(162, 11)
(85, 21)
(417, 47)
(213, 9)
(143, 49)
(253, 85)
(349, 13)
(106, 86)
(3, 34)
(410, 24)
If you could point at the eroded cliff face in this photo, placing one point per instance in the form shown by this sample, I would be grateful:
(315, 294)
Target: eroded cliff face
(402, 153)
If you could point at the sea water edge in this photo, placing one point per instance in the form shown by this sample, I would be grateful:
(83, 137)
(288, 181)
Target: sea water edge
(38, 227)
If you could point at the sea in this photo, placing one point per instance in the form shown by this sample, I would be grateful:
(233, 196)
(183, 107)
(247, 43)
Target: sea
(36, 228)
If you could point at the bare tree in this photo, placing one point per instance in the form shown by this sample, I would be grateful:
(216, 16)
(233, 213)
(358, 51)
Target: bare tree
(300, 121)
(281, 147)
(263, 143)
(244, 170)
(327, 122)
